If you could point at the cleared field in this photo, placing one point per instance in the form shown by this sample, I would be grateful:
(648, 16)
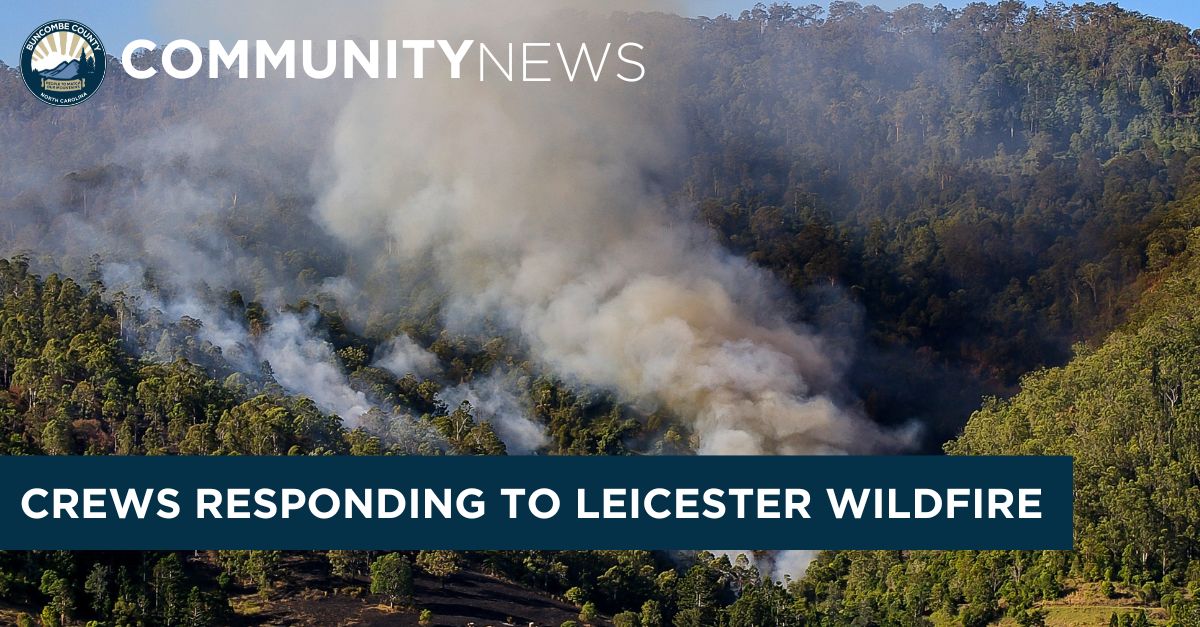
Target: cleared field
(1082, 606)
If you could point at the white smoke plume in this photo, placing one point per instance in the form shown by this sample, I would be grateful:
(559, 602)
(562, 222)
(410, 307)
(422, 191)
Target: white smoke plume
(533, 202)
(401, 356)
(300, 360)
(778, 565)
(305, 364)
(791, 564)
(492, 400)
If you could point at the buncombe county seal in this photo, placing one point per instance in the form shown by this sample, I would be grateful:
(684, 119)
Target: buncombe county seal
(63, 63)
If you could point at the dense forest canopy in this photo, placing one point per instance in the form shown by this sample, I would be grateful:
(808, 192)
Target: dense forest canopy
(1001, 200)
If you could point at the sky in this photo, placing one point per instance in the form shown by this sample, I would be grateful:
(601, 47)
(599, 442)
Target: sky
(120, 22)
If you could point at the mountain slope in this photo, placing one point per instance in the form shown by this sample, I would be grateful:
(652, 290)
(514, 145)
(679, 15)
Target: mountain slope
(1130, 414)
(1128, 411)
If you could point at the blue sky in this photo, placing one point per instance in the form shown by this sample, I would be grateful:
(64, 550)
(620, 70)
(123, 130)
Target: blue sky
(120, 22)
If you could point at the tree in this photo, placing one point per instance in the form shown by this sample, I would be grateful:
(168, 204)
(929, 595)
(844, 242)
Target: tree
(259, 568)
(1032, 617)
(575, 595)
(347, 564)
(51, 617)
(56, 437)
(98, 588)
(691, 617)
(588, 613)
(169, 596)
(440, 564)
(1186, 613)
(62, 602)
(652, 615)
(752, 608)
(391, 577)
(205, 608)
(696, 595)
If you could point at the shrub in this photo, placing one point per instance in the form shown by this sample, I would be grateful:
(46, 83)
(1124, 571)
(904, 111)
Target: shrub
(575, 595)
(588, 613)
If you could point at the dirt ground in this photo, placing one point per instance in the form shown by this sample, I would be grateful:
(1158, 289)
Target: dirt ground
(311, 598)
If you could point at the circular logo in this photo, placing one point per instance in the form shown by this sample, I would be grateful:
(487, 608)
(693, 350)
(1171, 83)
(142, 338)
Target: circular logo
(63, 63)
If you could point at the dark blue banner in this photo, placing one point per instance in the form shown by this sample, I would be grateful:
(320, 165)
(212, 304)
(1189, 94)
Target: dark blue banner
(651, 502)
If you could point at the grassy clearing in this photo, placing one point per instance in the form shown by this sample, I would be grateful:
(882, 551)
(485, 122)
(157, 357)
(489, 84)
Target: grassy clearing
(1095, 615)
(1082, 606)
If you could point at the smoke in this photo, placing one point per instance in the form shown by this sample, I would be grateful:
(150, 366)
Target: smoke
(165, 195)
(778, 565)
(304, 364)
(405, 434)
(537, 205)
(401, 356)
(539, 208)
(492, 400)
(791, 564)
(297, 357)
(295, 354)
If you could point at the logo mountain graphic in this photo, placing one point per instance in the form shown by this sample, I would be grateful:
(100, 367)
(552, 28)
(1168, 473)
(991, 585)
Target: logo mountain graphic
(64, 71)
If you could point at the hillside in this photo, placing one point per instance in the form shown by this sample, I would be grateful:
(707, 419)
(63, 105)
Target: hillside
(984, 222)
(1123, 410)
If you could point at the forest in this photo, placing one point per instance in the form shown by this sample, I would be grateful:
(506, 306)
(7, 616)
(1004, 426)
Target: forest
(992, 212)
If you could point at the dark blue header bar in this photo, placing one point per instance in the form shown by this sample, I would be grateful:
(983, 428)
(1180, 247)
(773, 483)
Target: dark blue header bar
(652, 502)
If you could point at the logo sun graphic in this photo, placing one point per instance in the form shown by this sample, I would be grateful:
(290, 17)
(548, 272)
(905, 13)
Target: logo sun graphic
(61, 47)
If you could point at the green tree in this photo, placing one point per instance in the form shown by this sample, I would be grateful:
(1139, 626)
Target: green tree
(170, 598)
(98, 588)
(347, 564)
(51, 617)
(391, 577)
(575, 595)
(588, 613)
(440, 564)
(652, 615)
(62, 601)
